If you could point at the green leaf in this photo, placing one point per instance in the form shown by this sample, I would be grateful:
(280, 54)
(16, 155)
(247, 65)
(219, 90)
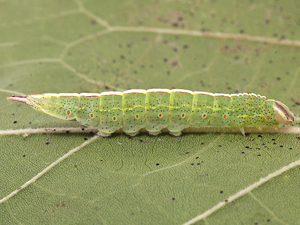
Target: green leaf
(95, 46)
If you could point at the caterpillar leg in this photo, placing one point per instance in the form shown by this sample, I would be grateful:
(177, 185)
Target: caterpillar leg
(260, 129)
(243, 131)
(132, 133)
(103, 134)
(154, 133)
(175, 133)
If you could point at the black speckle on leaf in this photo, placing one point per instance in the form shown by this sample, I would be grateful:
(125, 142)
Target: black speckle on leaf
(174, 63)
(175, 24)
(23, 155)
(157, 164)
(221, 192)
(15, 121)
(47, 143)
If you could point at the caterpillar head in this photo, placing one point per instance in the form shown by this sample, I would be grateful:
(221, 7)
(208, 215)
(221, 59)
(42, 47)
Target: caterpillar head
(283, 114)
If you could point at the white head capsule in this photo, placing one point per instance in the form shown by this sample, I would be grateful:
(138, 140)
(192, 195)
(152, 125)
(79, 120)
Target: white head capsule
(283, 114)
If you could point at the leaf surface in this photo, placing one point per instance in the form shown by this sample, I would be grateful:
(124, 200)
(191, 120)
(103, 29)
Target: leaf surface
(95, 46)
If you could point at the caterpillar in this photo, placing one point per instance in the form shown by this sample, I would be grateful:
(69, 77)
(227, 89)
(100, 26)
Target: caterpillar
(155, 109)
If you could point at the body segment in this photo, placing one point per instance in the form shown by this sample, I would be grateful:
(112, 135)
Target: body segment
(156, 109)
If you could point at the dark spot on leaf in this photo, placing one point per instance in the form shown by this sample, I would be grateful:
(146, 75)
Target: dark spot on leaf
(173, 198)
(157, 164)
(15, 121)
(23, 155)
(47, 143)
(174, 63)
(221, 192)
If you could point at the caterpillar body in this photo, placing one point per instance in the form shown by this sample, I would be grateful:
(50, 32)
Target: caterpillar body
(155, 109)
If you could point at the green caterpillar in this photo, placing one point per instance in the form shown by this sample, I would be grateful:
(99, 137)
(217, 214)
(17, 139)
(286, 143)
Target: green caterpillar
(156, 109)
